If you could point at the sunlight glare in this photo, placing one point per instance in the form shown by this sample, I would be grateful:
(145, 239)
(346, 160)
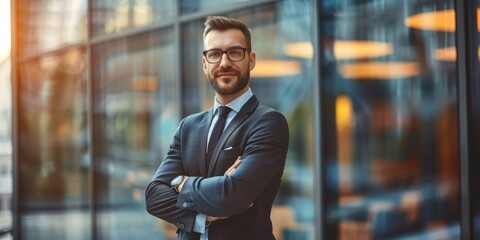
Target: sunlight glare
(5, 40)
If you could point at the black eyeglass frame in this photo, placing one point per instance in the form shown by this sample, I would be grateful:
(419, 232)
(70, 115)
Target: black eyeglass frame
(245, 50)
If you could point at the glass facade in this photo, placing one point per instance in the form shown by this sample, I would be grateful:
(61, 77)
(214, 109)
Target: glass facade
(135, 116)
(370, 90)
(50, 24)
(389, 92)
(53, 160)
(193, 6)
(110, 17)
(6, 179)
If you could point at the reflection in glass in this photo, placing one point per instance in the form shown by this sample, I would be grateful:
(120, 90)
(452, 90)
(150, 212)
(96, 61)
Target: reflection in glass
(448, 54)
(135, 117)
(282, 79)
(53, 152)
(391, 157)
(360, 49)
(47, 24)
(6, 163)
(192, 6)
(435, 20)
(112, 16)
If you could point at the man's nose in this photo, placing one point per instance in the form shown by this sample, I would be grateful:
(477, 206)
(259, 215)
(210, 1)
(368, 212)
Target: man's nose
(225, 61)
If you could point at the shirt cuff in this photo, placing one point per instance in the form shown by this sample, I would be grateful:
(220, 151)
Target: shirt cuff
(199, 224)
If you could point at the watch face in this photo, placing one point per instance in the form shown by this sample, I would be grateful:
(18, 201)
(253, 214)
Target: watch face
(174, 183)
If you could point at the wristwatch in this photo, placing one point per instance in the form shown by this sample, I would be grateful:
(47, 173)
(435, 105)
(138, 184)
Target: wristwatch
(176, 182)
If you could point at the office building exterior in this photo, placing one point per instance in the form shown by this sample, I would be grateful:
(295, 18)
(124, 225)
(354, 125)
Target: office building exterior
(382, 99)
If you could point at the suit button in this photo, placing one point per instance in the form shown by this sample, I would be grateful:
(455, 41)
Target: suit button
(180, 225)
(188, 205)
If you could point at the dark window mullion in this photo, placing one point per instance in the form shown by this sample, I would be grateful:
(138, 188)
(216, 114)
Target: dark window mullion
(467, 66)
(16, 220)
(319, 183)
(90, 122)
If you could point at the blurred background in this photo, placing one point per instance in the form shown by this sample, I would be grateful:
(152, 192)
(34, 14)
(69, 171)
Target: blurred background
(382, 99)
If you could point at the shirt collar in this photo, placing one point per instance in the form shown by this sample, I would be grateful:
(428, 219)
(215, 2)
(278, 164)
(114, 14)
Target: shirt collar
(237, 103)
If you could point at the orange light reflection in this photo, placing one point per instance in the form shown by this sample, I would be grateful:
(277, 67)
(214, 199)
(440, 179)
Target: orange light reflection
(361, 49)
(379, 70)
(145, 83)
(436, 21)
(275, 68)
(448, 54)
(344, 122)
(299, 49)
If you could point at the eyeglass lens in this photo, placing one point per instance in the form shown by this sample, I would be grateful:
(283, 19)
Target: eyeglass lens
(233, 54)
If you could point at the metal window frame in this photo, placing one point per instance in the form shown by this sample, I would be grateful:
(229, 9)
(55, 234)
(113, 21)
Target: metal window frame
(14, 84)
(319, 183)
(467, 72)
(90, 124)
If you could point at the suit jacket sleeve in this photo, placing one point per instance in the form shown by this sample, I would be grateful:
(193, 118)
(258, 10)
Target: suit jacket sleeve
(160, 198)
(262, 160)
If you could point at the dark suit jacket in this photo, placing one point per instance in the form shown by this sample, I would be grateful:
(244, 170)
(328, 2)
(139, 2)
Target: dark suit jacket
(260, 136)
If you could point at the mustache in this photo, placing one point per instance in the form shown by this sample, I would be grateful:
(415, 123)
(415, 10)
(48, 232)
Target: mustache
(226, 70)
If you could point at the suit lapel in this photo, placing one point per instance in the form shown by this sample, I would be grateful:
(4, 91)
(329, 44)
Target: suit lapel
(241, 116)
(202, 141)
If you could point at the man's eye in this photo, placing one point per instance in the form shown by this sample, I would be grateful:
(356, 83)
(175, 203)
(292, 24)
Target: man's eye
(214, 54)
(235, 52)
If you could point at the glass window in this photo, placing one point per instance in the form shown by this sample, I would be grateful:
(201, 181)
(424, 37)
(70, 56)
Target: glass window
(135, 116)
(54, 190)
(48, 24)
(5, 115)
(389, 91)
(118, 15)
(192, 6)
(282, 36)
(6, 177)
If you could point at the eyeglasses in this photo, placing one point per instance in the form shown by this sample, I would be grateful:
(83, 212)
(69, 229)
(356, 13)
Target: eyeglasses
(234, 54)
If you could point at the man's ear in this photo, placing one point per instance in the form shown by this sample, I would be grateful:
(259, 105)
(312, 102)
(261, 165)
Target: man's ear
(253, 59)
(204, 65)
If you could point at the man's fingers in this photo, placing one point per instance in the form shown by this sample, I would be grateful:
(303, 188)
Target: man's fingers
(213, 219)
(232, 168)
(229, 171)
(237, 162)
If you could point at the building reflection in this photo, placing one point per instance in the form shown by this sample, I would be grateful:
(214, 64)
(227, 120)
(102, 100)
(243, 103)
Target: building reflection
(6, 168)
(53, 160)
(395, 169)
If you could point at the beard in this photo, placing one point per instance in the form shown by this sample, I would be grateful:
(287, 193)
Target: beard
(233, 86)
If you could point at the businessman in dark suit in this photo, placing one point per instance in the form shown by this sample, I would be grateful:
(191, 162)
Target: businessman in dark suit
(223, 190)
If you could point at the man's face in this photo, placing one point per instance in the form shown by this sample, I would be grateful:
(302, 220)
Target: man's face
(227, 77)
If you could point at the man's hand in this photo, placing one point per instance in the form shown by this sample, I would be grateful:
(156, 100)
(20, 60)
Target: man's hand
(232, 168)
(229, 171)
(213, 219)
(180, 186)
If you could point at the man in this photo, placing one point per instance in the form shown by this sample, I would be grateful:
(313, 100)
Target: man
(223, 190)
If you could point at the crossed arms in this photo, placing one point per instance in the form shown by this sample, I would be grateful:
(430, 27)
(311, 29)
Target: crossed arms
(263, 159)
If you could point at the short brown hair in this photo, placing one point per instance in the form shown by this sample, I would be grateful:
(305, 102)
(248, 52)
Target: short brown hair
(224, 23)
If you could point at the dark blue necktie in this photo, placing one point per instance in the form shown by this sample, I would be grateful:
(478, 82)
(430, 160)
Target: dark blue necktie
(217, 131)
